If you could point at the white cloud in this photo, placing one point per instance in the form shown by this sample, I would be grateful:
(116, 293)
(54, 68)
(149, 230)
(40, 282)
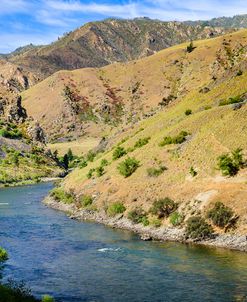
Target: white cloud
(13, 6)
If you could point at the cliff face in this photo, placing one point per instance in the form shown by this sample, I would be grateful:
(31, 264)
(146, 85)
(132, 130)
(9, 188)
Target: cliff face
(98, 44)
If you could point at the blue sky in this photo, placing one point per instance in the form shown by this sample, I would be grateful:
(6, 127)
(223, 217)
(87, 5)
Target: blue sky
(43, 21)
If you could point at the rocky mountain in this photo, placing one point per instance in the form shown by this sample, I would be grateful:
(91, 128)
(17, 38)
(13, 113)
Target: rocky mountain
(238, 21)
(97, 44)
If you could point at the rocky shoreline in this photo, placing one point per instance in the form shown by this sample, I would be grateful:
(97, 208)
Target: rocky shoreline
(228, 241)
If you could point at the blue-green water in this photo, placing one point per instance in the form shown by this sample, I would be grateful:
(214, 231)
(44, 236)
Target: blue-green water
(76, 261)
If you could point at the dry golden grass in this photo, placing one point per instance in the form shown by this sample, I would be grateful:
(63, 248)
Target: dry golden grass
(78, 147)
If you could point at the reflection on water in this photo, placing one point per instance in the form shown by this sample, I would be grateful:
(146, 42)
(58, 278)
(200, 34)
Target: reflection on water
(76, 261)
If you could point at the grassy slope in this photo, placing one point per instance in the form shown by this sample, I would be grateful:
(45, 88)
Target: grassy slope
(169, 72)
(213, 132)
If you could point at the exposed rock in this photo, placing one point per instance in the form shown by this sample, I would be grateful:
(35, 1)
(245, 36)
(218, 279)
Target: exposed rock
(37, 133)
(15, 112)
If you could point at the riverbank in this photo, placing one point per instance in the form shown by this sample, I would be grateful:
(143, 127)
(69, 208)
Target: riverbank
(30, 182)
(229, 241)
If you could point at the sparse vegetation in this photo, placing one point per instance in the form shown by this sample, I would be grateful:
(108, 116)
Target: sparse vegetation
(128, 167)
(176, 218)
(163, 207)
(231, 163)
(118, 152)
(116, 208)
(231, 100)
(155, 172)
(86, 200)
(138, 215)
(90, 173)
(156, 222)
(190, 47)
(193, 172)
(142, 142)
(179, 139)
(197, 228)
(62, 196)
(188, 112)
(220, 214)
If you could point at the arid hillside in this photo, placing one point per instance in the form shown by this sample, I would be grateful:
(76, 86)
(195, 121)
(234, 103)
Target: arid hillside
(97, 44)
(97, 101)
(192, 151)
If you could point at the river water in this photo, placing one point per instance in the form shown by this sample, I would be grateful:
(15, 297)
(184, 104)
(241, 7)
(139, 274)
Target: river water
(75, 261)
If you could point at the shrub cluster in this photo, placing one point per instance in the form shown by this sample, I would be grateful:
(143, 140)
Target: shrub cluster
(155, 172)
(116, 208)
(176, 218)
(231, 163)
(142, 142)
(163, 207)
(86, 200)
(62, 196)
(138, 215)
(128, 167)
(198, 228)
(220, 214)
(231, 100)
(118, 152)
(179, 139)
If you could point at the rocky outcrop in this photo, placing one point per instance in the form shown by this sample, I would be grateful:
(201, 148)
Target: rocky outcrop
(15, 113)
(37, 133)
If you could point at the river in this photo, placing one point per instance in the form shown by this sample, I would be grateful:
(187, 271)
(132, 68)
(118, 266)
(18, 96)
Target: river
(75, 261)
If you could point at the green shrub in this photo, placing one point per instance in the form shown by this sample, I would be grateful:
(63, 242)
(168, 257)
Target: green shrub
(230, 164)
(3, 255)
(155, 222)
(82, 164)
(141, 142)
(155, 172)
(118, 152)
(47, 298)
(193, 172)
(220, 214)
(163, 207)
(239, 73)
(104, 162)
(90, 156)
(190, 47)
(116, 208)
(188, 112)
(138, 215)
(231, 100)
(62, 196)
(207, 107)
(176, 218)
(198, 228)
(128, 167)
(99, 171)
(90, 173)
(86, 200)
(179, 139)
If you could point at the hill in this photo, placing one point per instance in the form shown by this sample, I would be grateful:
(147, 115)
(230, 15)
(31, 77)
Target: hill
(96, 101)
(23, 155)
(238, 21)
(175, 153)
(97, 44)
